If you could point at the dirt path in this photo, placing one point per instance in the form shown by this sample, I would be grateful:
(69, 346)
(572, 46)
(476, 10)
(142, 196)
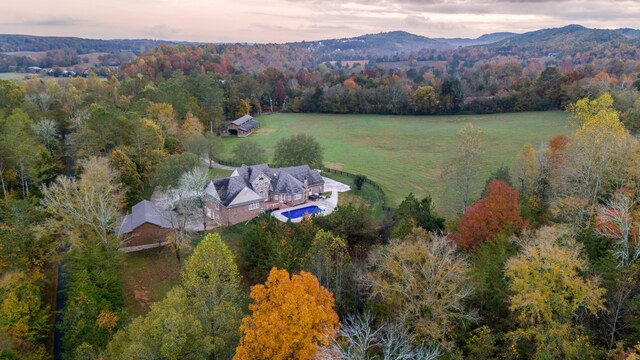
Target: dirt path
(216, 165)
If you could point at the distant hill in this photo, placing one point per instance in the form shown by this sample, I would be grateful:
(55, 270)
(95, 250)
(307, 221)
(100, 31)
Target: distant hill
(567, 40)
(15, 43)
(397, 47)
(370, 46)
(390, 43)
(482, 40)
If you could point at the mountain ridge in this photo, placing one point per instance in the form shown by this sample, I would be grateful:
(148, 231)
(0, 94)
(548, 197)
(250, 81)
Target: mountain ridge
(385, 46)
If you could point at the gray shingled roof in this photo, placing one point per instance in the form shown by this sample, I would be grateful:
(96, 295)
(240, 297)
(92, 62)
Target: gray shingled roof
(145, 212)
(301, 173)
(283, 181)
(229, 188)
(287, 184)
(250, 173)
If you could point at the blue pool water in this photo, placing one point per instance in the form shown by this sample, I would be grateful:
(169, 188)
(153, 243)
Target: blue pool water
(294, 214)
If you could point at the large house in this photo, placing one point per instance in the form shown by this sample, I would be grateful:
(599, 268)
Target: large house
(146, 226)
(251, 190)
(242, 127)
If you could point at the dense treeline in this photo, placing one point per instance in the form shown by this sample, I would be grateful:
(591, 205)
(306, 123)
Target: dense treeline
(278, 77)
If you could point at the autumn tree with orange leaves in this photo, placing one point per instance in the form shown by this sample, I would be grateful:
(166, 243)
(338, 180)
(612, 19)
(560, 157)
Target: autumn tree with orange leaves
(498, 213)
(292, 317)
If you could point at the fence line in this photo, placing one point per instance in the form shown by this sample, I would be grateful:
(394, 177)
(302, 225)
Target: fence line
(375, 185)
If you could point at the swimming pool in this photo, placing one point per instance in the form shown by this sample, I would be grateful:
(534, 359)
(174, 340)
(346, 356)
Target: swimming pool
(297, 213)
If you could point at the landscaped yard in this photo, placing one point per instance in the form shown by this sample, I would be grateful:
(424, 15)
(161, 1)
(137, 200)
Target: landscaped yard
(148, 276)
(407, 153)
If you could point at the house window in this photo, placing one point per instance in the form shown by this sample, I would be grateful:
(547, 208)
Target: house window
(297, 197)
(253, 206)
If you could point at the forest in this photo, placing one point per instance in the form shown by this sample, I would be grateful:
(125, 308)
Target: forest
(544, 264)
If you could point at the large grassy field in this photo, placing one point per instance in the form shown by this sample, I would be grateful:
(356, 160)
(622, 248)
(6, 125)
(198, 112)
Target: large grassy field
(407, 153)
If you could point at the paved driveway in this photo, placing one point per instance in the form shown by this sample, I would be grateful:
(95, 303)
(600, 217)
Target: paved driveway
(334, 187)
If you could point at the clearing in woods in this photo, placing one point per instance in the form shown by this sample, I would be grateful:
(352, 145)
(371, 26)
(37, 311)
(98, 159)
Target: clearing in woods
(407, 153)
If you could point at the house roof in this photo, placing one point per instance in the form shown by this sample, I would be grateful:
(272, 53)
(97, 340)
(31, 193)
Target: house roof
(230, 188)
(302, 173)
(145, 212)
(250, 173)
(211, 190)
(287, 184)
(237, 189)
(245, 196)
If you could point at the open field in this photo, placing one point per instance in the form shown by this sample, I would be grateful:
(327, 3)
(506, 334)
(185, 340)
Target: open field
(86, 60)
(407, 153)
(13, 76)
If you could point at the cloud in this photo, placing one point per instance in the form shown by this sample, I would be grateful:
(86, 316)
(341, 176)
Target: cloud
(159, 31)
(296, 20)
(54, 22)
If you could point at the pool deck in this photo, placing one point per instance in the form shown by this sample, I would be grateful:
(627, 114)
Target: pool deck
(329, 204)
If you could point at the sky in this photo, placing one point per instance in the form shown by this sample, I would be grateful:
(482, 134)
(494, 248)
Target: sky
(297, 20)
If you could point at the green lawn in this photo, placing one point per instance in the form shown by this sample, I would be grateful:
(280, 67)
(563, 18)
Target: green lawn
(12, 76)
(368, 195)
(407, 153)
(219, 173)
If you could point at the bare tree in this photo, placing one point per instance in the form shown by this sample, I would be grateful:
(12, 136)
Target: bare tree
(462, 171)
(192, 194)
(183, 205)
(93, 202)
(358, 339)
(47, 131)
(615, 220)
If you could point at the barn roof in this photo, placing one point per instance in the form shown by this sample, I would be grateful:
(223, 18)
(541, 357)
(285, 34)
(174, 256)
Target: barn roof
(246, 123)
(242, 120)
(249, 125)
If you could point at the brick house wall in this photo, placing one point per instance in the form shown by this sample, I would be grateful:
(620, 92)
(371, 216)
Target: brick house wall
(231, 216)
(289, 199)
(317, 189)
(146, 234)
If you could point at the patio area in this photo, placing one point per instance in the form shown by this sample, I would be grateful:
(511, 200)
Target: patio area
(326, 205)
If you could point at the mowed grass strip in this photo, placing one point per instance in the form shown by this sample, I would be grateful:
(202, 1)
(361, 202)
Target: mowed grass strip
(407, 153)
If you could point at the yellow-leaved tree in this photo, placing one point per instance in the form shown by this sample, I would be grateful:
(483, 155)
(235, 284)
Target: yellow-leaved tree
(597, 154)
(549, 289)
(526, 170)
(292, 316)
